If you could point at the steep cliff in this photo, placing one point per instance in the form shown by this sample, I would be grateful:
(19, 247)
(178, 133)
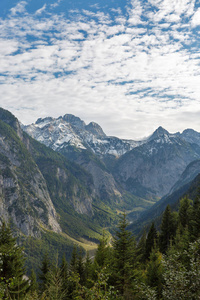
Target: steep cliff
(24, 196)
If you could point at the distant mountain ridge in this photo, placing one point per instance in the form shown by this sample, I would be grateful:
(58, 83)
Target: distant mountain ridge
(147, 168)
(72, 131)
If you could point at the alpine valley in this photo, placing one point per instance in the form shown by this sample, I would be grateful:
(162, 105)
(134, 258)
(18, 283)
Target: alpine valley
(64, 182)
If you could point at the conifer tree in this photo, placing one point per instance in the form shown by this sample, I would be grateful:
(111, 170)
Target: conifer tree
(64, 273)
(141, 248)
(124, 251)
(102, 253)
(194, 225)
(168, 229)
(54, 288)
(155, 271)
(44, 269)
(185, 212)
(89, 270)
(74, 277)
(80, 267)
(12, 269)
(33, 281)
(151, 240)
(181, 240)
(74, 260)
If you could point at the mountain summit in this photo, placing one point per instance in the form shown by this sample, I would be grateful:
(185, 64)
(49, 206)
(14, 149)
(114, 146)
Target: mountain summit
(160, 132)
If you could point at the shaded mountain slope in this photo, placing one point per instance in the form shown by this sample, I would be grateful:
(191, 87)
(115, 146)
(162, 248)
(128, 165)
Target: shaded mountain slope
(151, 169)
(187, 188)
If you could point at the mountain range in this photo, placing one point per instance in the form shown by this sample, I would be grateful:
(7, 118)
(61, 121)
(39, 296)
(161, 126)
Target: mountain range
(148, 168)
(62, 181)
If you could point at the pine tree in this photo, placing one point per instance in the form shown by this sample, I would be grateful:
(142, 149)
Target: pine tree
(194, 224)
(151, 240)
(102, 253)
(141, 248)
(74, 278)
(154, 271)
(185, 212)
(80, 267)
(54, 288)
(181, 240)
(89, 271)
(168, 229)
(12, 269)
(64, 274)
(33, 281)
(124, 252)
(73, 261)
(44, 269)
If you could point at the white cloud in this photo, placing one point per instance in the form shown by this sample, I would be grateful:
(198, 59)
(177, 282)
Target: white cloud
(43, 8)
(196, 18)
(19, 8)
(57, 3)
(129, 78)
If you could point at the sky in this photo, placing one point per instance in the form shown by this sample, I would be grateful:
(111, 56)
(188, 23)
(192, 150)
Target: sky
(128, 65)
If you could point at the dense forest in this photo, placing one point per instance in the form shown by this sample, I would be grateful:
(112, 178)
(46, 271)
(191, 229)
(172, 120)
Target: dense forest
(162, 264)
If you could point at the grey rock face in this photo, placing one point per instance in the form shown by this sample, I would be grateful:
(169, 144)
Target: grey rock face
(191, 171)
(191, 136)
(95, 129)
(81, 202)
(156, 165)
(24, 197)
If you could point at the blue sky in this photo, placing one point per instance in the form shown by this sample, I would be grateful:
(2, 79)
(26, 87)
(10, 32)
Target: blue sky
(130, 66)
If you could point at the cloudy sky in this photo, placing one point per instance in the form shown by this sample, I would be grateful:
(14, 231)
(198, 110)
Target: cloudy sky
(129, 65)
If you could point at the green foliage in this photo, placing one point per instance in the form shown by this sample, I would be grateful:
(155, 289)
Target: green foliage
(185, 212)
(44, 270)
(50, 242)
(182, 280)
(101, 290)
(12, 270)
(33, 282)
(151, 241)
(103, 251)
(124, 251)
(168, 229)
(144, 292)
(194, 225)
(154, 274)
(113, 274)
(55, 283)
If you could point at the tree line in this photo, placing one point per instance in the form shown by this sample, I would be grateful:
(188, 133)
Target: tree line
(163, 264)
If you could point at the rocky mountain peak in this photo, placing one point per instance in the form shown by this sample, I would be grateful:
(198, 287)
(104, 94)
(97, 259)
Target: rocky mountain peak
(95, 129)
(161, 136)
(189, 131)
(191, 136)
(74, 121)
(159, 133)
(43, 120)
